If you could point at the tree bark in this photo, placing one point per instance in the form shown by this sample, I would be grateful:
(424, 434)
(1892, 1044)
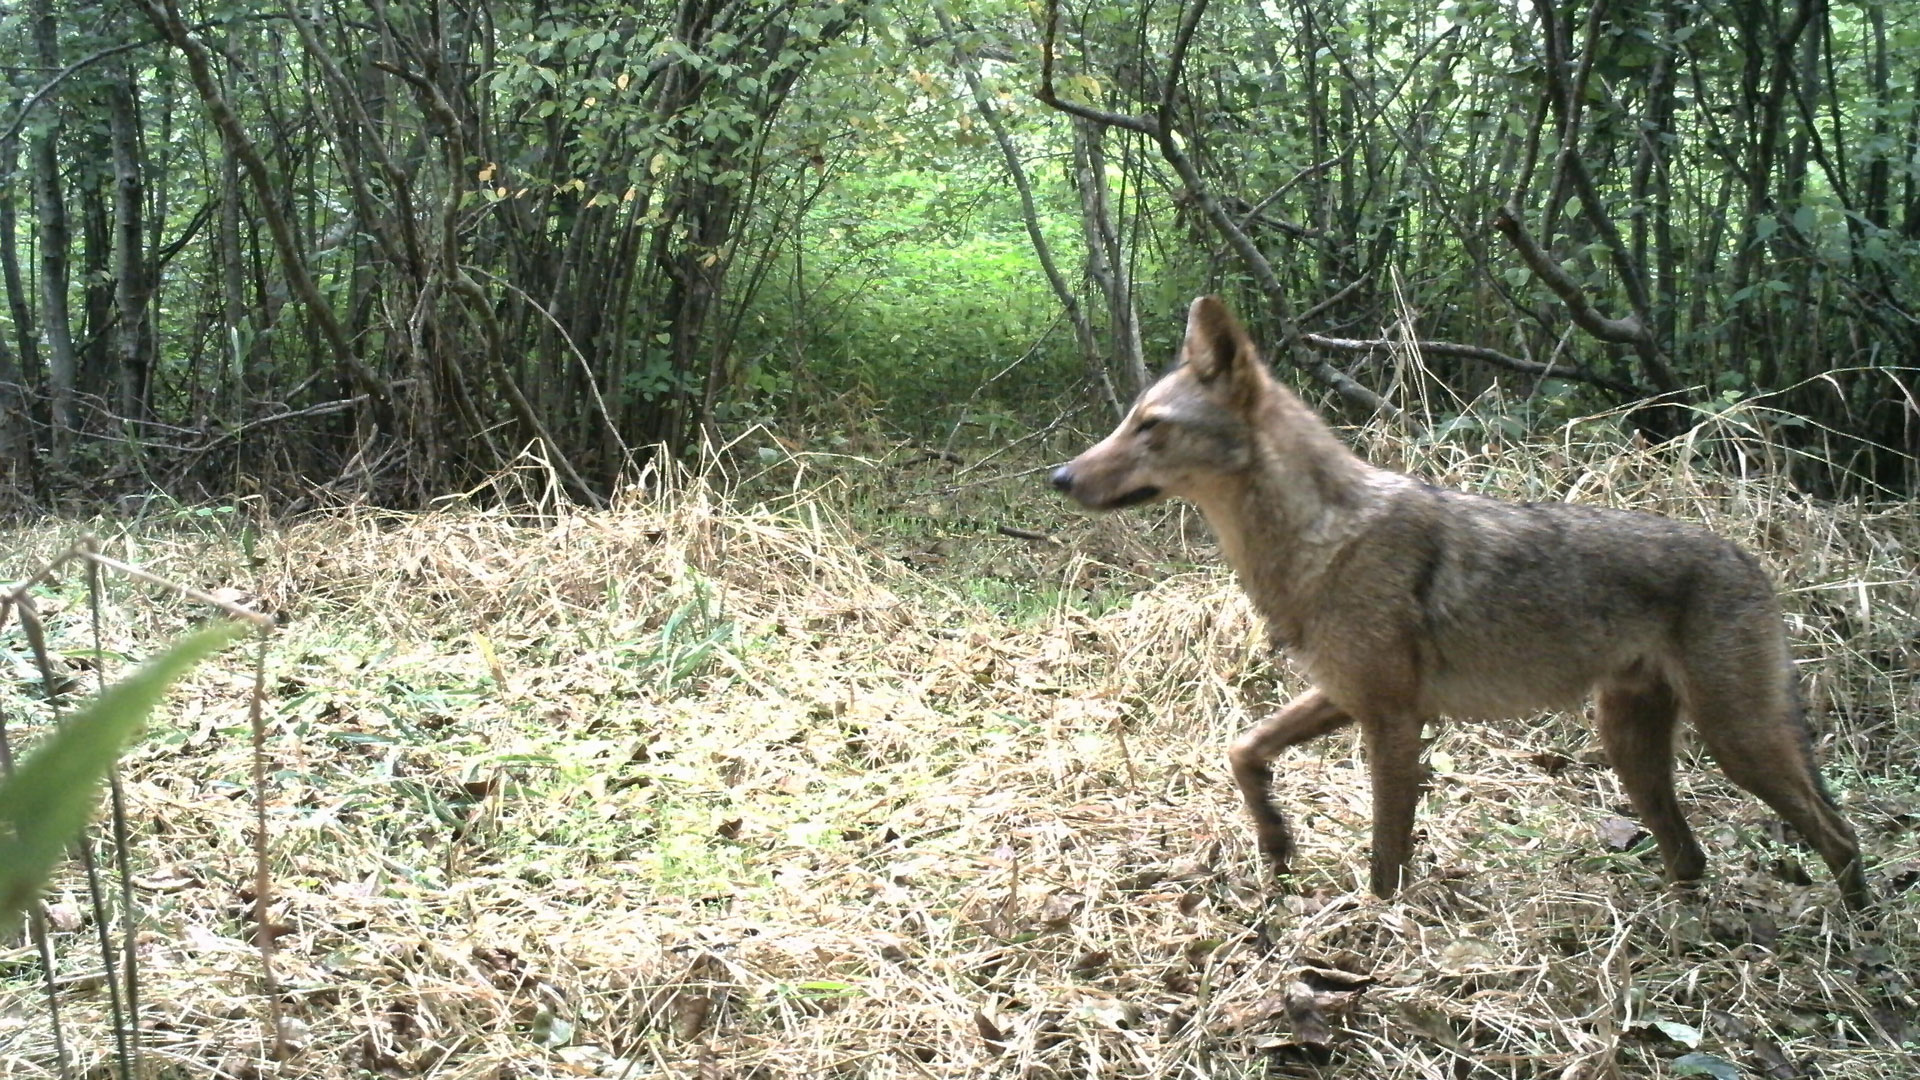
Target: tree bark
(1873, 201)
(90, 175)
(132, 287)
(54, 240)
(18, 303)
(1107, 256)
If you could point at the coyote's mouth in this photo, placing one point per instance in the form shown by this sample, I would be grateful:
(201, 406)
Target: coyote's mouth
(1133, 498)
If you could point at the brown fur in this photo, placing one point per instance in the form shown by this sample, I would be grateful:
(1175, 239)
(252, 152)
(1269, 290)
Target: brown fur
(1404, 602)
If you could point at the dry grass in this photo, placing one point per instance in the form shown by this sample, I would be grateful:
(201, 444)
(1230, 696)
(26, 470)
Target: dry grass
(705, 787)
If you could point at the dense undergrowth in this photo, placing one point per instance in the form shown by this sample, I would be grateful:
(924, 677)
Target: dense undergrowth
(808, 768)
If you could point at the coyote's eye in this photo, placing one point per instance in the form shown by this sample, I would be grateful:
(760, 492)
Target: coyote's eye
(1147, 423)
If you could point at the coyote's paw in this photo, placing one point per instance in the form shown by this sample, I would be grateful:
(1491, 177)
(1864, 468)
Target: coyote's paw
(1277, 851)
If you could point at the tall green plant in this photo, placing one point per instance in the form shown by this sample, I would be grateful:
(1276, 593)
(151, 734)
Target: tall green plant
(48, 799)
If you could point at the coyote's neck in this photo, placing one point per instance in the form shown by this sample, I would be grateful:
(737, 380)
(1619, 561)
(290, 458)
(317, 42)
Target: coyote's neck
(1290, 510)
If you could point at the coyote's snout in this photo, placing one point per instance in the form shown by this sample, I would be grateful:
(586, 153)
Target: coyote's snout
(1404, 602)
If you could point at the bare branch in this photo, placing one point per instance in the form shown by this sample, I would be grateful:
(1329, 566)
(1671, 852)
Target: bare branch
(1182, 38)
(1346, 290)
(65, 73)
(1046, 94)
(1251, 214)
(1475, 352)
(1626, 331)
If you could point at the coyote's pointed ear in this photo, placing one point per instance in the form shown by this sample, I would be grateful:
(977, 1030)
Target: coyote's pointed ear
(1217, 347)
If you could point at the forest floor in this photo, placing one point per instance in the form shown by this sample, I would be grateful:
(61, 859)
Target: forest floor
(826, 776)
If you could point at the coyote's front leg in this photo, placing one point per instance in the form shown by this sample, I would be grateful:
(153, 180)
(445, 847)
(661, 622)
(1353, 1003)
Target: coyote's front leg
(1306, 717)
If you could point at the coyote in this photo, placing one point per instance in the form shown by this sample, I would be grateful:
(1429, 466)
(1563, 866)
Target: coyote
(1403, 602)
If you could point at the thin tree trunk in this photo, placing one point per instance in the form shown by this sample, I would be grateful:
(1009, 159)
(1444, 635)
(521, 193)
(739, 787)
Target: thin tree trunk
(1107, 262)
(131, 283)
(1912, 151)
(16, 428)
(54, 240)
(1651, 193)
(1879, 80)
(56, 327)
(237, 343)
(1773, 55)
(91, 177)
(16, 423)
(18, 305)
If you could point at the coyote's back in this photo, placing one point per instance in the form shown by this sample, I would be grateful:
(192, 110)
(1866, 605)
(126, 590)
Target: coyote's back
(1404, 602)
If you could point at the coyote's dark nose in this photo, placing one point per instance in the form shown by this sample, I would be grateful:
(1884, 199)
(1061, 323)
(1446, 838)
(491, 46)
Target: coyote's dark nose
(1063, 478)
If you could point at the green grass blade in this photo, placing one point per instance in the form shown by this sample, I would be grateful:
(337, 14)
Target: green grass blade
(49, 798)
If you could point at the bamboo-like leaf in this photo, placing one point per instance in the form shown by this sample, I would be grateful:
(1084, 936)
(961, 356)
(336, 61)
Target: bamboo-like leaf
(49, 798)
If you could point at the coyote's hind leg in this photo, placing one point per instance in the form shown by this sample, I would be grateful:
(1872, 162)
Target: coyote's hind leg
(1771, 757)
(1393, 764)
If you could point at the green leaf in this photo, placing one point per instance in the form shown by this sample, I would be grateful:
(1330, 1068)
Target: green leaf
(551, 1030)
(827, 988)
(1705, 1065)
(48, 799)
(1684, 1034)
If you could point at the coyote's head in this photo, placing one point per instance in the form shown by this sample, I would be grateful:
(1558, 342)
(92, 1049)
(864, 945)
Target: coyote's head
(1189, 433)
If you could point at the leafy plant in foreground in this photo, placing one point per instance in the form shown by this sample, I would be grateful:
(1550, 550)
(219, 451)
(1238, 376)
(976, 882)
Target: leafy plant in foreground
(47, 801)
